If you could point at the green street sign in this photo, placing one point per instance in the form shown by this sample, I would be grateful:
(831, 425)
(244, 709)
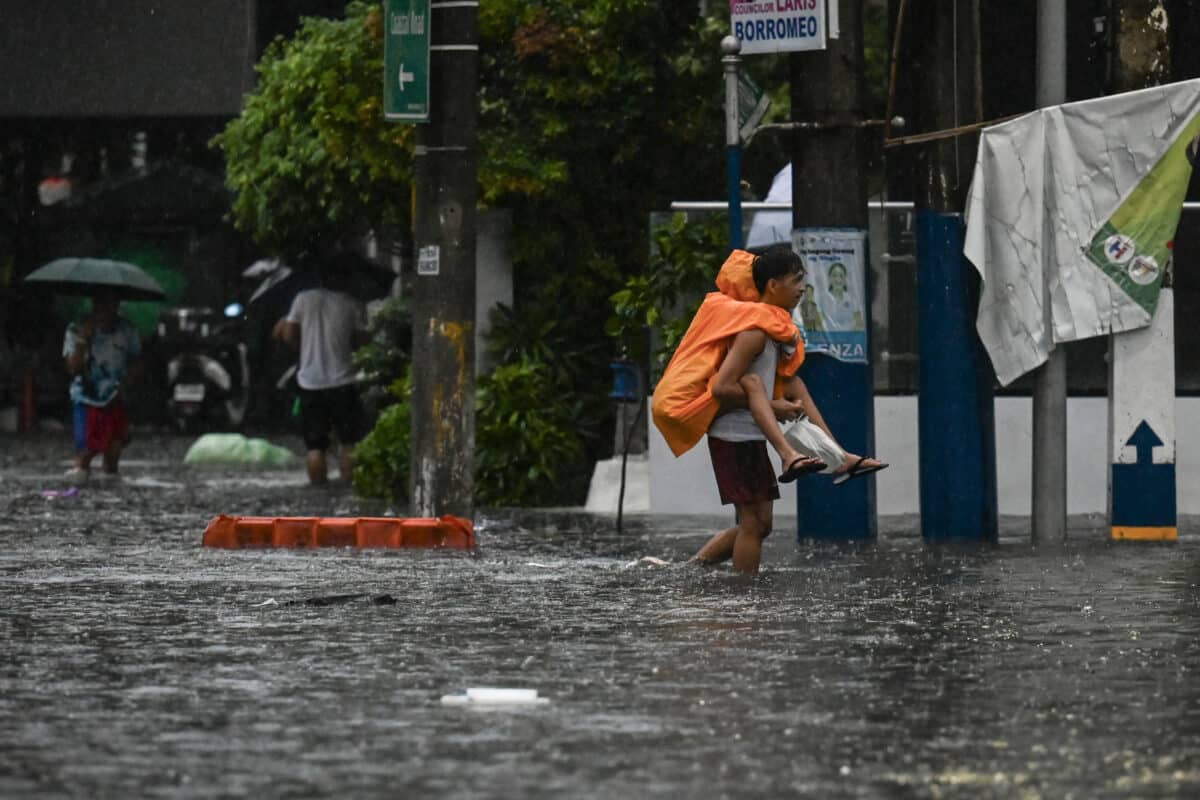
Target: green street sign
(752, 105)
(406, 60)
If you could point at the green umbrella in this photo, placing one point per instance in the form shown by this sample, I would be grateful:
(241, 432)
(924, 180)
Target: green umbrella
(90, 275)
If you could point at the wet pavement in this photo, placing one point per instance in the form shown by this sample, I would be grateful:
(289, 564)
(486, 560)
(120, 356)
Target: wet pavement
(139, 664)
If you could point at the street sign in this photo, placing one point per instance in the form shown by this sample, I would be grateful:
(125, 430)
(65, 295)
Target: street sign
(752, 105)
(406, 60)
(778, 26)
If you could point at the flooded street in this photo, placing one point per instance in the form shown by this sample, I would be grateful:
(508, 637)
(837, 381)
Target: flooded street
(139, 664)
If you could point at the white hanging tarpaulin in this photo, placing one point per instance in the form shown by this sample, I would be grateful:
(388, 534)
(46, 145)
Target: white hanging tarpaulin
(1081, 201)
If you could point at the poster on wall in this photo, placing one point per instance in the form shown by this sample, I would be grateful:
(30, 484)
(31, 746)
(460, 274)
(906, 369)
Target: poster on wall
(832, 312)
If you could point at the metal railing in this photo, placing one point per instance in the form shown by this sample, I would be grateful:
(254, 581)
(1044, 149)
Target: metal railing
(755, 205)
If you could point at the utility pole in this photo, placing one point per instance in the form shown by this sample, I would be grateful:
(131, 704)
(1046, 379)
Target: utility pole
(1049, 522)
(829, 190)
(443, 308)
(955, 407)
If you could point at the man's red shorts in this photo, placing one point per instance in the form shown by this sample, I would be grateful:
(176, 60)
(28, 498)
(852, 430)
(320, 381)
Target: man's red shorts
(744, 471)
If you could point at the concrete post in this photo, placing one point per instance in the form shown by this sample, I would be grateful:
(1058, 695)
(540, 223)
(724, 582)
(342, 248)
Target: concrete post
(1049, 523)
(1142, 490)
(1141, 426)
(445, 194)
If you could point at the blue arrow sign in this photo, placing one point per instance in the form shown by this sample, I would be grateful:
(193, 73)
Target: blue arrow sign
(1145, 440)
(1143, 494)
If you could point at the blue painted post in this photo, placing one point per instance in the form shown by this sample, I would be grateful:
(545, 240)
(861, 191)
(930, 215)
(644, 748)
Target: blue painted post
(845, 394)
(844, 391)
(733, 160)
(730, 47)
(955, 408)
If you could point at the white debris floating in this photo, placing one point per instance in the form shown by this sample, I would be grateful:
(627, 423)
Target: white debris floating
(494, 696)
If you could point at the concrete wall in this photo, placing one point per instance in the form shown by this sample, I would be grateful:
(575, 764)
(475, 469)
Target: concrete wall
(686, 486)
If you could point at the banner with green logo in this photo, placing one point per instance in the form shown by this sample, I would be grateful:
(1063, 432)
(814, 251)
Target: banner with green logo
(1133, 247)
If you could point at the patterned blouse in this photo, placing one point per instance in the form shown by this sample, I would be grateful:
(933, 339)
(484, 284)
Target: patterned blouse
(107, 362)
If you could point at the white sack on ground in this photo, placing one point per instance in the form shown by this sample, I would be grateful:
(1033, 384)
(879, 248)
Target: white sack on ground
(810, 440)
(1088, 194)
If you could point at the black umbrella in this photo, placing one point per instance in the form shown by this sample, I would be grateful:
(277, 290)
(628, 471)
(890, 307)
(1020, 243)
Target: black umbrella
(86, 276)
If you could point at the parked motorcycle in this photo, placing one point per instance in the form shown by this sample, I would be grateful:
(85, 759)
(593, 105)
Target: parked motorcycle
(208, 368)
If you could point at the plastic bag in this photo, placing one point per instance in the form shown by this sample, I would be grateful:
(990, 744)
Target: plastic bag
(804, 435)
(234, 448)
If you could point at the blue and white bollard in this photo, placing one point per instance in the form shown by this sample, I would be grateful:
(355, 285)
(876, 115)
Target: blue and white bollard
(1141, 426)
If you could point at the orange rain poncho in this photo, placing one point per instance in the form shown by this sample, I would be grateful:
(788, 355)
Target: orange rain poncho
(683, 406)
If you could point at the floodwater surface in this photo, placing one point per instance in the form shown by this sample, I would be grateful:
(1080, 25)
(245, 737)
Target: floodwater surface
(139, 664)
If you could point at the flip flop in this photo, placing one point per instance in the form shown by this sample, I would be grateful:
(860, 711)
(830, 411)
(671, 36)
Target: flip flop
(801, 465)
(857, 471)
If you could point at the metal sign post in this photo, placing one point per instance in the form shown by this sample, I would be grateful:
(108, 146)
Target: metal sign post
(733, 142)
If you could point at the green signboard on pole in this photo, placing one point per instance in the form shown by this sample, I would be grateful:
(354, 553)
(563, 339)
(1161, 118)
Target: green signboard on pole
(406, 60)
(752, 106)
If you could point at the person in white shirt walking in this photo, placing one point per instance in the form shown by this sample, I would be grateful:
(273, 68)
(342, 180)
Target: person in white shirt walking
(329, 324)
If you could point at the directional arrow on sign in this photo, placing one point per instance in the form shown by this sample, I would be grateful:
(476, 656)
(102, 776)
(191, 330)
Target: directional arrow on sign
(405, 73)
(1143, 494)
(1144, 439)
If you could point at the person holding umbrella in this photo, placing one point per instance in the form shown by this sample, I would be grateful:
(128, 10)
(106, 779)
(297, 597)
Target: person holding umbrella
(101, 350)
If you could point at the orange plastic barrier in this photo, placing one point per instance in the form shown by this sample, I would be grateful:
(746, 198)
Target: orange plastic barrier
(234, 532)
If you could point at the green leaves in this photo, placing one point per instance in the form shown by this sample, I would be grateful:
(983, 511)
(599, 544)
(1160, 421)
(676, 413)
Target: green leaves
(381, 459)
(388, 353)
(527, 441)
(311, 155)
(663, 299)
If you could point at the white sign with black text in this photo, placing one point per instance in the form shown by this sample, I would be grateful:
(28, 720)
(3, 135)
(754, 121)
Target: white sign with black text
(779, 26)
(429, 260)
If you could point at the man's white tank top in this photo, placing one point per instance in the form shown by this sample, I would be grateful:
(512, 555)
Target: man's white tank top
(738, 425)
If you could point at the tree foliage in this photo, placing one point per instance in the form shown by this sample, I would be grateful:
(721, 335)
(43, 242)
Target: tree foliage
(662, 301)
(527, 432)
(311, 155)
(591, 115)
